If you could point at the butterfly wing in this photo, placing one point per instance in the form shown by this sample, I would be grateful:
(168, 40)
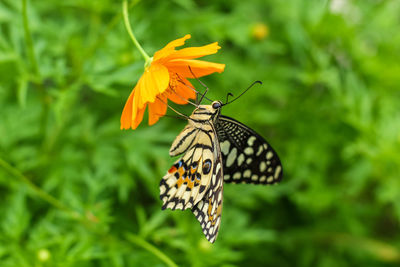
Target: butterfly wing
(195, 180)
(246, 156)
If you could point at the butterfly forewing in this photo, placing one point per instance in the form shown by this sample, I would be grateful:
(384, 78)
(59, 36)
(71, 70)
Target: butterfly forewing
(246, 156)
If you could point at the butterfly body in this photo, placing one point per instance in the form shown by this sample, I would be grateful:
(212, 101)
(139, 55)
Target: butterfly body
(213, 145)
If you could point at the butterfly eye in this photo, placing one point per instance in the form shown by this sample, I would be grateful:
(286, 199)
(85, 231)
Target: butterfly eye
(206, 166)
(216, 105)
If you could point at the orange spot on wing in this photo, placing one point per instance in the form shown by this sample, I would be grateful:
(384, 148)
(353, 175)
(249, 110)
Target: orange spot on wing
(189, 183)
(180, 182)
(211, 217)
(219, 211)
(172, 169)
(181, 172)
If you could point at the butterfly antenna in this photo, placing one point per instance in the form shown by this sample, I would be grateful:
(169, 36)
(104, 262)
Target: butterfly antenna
(227, 96)
(259, 82)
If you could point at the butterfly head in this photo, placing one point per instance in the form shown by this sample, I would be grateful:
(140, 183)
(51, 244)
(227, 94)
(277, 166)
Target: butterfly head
(216, 106)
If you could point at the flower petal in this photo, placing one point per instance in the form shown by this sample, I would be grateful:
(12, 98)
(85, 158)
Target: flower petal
(198, 67)
(170, 48)
(126, 117)
(138, 118)
(194, 52)
(180, 93)
(157, 109)
(132, 115)
(153, 82)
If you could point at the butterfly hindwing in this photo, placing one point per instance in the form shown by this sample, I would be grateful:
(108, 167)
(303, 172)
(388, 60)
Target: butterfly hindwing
(208, 210)
(246, 156)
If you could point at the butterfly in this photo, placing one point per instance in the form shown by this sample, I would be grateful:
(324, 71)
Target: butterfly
(216, 149)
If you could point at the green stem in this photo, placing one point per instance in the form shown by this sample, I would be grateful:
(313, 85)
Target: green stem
(28, 39)
(149, 247)
(129, 30)
(37, 190)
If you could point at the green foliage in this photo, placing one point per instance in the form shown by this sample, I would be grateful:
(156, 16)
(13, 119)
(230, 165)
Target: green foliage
(77, 191)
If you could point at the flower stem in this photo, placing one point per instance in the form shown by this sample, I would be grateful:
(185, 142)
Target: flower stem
(129, 30)
(28, 39)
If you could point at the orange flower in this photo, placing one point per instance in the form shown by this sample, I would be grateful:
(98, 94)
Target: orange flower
(166, 78)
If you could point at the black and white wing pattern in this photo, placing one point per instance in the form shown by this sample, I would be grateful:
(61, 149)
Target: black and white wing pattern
(212, 145)
(208, 210)
(246, 156)
(195, 181)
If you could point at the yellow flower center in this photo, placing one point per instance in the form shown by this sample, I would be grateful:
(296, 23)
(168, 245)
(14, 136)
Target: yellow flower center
(173, 80)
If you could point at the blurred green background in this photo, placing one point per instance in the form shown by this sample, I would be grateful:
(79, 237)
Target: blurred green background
(75, 190)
